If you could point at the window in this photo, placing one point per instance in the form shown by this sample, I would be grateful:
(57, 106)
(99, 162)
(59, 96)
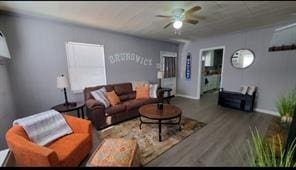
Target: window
(86, 65)
(169, 67)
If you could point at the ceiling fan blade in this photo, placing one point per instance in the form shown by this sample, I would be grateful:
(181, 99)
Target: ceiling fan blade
(191, 21)
(191, 10)
(163, 16)
(168, 25)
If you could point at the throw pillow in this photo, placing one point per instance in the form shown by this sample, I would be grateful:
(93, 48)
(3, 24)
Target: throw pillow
(142, 92)
(113, 98)
(139, 83)
(99, 96)
(244, 89)
(251, 90)
(153, 90)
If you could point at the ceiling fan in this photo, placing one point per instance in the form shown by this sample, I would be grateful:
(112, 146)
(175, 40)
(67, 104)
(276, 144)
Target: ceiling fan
(180, 16)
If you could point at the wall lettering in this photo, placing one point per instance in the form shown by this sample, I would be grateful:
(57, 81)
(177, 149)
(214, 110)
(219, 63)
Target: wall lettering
(130, 57)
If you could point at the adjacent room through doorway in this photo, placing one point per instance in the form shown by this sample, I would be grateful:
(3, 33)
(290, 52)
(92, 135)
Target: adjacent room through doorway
(211, 70)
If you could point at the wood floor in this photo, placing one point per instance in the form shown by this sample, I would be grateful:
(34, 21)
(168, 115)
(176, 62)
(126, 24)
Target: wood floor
(222, 142)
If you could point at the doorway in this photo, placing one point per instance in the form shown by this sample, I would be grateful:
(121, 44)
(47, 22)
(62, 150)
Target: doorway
(168, 64)
(210, 70)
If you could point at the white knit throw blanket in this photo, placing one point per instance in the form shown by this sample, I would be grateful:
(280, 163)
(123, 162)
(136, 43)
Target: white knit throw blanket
(44, 127)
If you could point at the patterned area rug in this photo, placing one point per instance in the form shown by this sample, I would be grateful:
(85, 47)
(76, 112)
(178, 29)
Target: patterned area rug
(147, 137)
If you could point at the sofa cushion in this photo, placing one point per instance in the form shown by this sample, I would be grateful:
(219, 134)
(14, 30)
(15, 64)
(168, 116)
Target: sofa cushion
(132, 104)
(132, 95)
(123, 88)
(115, 109)
(124, 97)
(71, 149)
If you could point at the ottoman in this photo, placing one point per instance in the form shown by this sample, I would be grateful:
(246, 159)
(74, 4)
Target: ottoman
(116, 152)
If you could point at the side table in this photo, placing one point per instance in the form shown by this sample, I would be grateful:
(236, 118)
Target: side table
(67, 108)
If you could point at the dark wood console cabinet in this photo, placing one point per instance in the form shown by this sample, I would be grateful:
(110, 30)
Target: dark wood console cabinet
(236, 100)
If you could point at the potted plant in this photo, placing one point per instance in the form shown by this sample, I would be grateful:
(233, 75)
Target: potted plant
(262, 154)
(285, 106)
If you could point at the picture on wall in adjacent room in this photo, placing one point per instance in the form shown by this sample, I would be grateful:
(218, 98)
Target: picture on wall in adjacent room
(188, 66)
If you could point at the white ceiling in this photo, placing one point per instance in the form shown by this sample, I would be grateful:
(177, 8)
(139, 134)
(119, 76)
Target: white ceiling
(138, 18)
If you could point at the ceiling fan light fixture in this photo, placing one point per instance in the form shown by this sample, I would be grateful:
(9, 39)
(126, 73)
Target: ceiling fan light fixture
(177, 24)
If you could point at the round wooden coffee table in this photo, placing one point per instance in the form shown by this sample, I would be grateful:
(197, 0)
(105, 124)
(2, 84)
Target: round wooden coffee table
(168, 112)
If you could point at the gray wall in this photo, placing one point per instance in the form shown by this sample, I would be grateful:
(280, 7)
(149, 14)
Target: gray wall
(273, 72)
(7, 107)
(37, 48)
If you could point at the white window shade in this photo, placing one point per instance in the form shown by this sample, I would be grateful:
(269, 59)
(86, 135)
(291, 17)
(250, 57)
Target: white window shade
(86, 65)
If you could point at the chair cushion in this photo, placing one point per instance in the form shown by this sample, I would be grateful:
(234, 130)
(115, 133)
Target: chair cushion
(113, 98)
(71, 149)
(132, 104)
(115, 109)
(142, 92)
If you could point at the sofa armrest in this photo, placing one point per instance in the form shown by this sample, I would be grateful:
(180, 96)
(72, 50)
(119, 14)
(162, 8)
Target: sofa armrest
(93, 104)
(28, 153)
(78, 125)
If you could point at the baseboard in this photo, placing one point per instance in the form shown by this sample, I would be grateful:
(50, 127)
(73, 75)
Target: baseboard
(266, 111)
(256, 109)
(186, 96)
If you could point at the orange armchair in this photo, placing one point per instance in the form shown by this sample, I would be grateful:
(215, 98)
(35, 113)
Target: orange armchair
(68, 150)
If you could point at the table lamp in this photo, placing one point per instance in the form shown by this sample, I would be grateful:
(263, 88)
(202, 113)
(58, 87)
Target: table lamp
(159, 77)
(62, 83)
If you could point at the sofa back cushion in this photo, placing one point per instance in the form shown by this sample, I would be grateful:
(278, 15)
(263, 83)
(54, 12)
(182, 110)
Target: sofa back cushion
(123, 88)
(124, 97)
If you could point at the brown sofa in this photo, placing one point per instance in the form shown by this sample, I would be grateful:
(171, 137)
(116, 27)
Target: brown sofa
(102, 117)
